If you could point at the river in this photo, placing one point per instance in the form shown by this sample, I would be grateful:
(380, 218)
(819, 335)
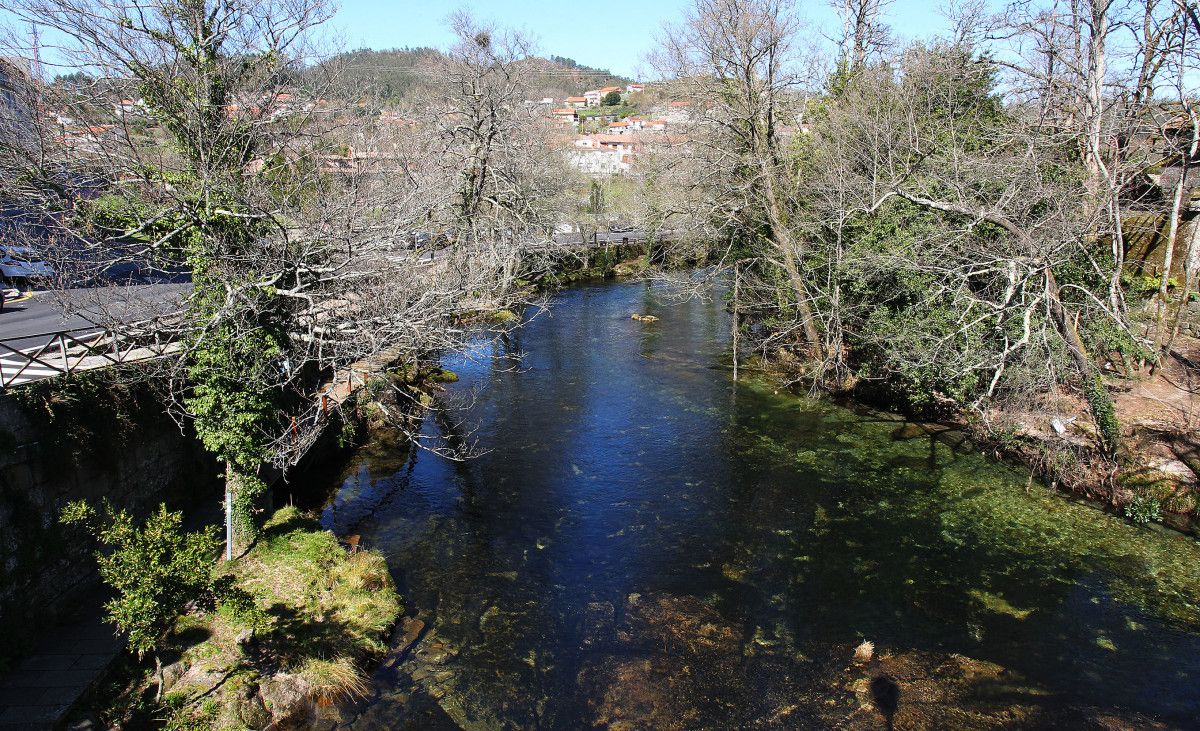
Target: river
(641, 542)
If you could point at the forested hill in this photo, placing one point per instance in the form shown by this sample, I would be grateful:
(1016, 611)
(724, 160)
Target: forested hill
(381, 74)
(395, 74)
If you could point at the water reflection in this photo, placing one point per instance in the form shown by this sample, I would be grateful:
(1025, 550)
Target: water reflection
(645, 543)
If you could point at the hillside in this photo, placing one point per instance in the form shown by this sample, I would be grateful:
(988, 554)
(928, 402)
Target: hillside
(392, 75)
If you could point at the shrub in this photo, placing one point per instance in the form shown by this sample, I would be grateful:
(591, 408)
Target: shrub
(333, 680)
(1143, 508)
(156, 569)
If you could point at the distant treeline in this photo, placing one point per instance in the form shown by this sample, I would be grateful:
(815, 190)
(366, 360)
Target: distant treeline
(393, 75)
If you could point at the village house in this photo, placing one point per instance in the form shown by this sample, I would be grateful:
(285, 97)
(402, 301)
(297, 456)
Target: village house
(577, 102)
(622, 142)
(599, 161)
(129, 106)
(595, 96)
(635, 88)
(605, 119)
(565, 115)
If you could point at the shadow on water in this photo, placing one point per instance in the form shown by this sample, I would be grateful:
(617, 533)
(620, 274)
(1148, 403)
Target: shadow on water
(644, 542)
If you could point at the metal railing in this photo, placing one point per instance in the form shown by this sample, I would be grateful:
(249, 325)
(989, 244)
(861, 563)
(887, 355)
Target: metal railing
(34, 357)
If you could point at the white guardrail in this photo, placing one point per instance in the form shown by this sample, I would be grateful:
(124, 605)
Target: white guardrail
(28, 358)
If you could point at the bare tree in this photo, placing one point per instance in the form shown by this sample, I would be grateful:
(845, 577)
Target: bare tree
(864, 34)
(736, 65)
(222, 153)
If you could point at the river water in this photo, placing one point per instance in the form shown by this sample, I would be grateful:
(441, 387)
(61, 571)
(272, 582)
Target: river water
(643, 543)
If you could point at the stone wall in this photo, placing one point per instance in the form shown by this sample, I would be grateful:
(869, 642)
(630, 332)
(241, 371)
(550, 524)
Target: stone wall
(84, 450)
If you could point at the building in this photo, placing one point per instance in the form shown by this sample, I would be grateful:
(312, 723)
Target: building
(17, 94)
(595, 96)
(635, 88)
(577, 102)
(565, 115)
(129, 107)
(620, 143)
(597, 161)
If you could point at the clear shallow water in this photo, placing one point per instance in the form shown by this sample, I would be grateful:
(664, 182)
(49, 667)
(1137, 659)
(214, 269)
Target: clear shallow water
(644, 542)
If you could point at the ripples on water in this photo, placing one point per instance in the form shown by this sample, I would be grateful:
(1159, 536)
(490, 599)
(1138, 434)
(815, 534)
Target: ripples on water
(644, 543)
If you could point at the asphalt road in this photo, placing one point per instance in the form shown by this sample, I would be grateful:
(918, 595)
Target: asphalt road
(82, 309)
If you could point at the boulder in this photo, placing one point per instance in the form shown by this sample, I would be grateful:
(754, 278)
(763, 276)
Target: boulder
(287, 697)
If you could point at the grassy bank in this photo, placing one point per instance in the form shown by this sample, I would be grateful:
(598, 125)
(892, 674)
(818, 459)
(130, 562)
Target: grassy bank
(318, 615)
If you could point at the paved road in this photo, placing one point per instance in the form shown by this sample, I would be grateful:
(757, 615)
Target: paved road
(29, 351)
(46, 312)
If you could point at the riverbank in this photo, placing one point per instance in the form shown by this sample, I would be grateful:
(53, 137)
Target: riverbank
(1155, 476)
(320, 614)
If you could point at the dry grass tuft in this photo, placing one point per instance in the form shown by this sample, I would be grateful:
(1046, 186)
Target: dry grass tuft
(865, 651)
(334, 680)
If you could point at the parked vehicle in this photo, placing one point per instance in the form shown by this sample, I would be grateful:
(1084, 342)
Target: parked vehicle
(7, 294)
(19, 264)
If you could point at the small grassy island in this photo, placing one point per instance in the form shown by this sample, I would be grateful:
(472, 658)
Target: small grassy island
(317, 614)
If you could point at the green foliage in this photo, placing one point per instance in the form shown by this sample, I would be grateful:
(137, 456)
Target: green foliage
(910, 338)
(1144, 285)
(620, 112)
(156, 569)
(1104, 413)
(1144, 508)
(1102, 335)
(611, 99)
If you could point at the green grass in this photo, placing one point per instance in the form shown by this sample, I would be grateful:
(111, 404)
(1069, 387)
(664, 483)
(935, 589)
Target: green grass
(317, 615)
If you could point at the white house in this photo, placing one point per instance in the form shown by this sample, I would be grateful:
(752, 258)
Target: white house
(129, 106)
(599, 162)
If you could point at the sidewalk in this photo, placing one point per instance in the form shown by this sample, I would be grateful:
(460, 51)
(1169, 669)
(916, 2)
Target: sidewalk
(39, 692)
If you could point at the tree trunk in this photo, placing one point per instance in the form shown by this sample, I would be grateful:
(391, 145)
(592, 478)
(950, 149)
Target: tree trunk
(1190, 265)
(781, 237)
(1160, 317)
(737, 277)
(1099, 402)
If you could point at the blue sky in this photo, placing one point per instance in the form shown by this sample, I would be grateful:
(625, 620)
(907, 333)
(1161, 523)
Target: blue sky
(612, 34)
